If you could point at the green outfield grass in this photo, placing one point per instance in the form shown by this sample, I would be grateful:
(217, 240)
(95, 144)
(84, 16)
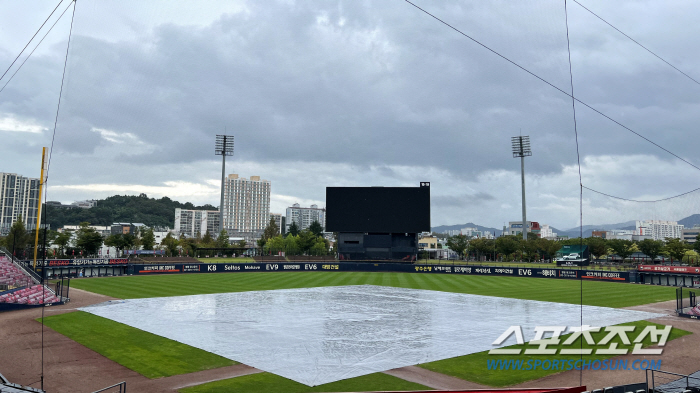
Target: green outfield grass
(474, 367)
(148, 354)
(271, 383)
(136, 349)
(595, 293)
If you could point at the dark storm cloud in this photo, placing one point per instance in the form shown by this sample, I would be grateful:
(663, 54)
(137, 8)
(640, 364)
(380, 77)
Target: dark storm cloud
(376, 88)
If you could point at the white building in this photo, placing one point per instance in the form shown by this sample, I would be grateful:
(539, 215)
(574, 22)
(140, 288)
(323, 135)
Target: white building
(85, 204)
(305, 216)
(469, 231)
(659, 230)
(19, 196)
(193, 222)
(546, 232)
(246, 206)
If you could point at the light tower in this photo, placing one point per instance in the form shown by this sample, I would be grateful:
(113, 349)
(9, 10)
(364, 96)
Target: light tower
(521, 148)
(224, 147)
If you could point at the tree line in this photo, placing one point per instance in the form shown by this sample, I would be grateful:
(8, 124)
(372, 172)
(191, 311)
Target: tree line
(86, 242)
(513, 247)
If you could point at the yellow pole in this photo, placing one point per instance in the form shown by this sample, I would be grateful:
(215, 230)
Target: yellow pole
(44, 162)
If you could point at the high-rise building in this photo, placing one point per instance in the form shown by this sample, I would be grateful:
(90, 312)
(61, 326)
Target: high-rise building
(19, 196)
(193, 222)
(279, 220)
(305, 216)
(246, 206)
(659, 230)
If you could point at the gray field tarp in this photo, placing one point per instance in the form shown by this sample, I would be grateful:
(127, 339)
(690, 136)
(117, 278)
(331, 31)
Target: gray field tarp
(321, 335)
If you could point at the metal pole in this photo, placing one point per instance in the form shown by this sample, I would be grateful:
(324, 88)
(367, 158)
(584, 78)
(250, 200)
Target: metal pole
(223, 177)
(522, 178)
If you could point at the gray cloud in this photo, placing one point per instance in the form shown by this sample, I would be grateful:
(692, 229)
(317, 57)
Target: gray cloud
(372, 88)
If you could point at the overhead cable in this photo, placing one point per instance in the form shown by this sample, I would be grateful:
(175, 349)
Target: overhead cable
(552, 85)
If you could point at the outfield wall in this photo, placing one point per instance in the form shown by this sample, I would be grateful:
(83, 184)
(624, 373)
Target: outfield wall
(176, 268)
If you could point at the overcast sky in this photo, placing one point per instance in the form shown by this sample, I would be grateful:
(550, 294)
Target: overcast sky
(360, 93)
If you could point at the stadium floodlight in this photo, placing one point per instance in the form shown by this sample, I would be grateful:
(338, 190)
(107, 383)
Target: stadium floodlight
(521, 148)
(223, 148)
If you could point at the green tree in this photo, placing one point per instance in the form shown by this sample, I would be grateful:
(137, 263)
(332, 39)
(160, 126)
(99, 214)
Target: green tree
(623, 248)
(306, 240)
(530, 247)
(696, 245)
(652, 248)
(458, 244)
(597, 246)
(507, 245)
(148, 239)
(319, 248)
(294, 229)
(207, 240)
(188, 245)
(275, 244)
(549, 248)
(290, 244)
(482, 247)
(270, 231)
(675, 248)
(170, 244)
(222, 240)
(62, 239)
(120, 241)
(242, 244)
(316, 228)
(88, 239)
(18, 238)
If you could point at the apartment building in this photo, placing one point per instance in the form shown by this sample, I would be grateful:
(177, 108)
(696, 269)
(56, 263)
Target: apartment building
(193, 222)
(305, 216)
(246, 206)
(658, 229)
(19, 196)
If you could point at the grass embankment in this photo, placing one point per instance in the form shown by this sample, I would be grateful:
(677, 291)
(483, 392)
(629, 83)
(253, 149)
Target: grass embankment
(595, 293)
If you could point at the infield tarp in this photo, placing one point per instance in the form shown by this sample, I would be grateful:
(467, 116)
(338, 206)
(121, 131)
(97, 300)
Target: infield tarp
(321, 335)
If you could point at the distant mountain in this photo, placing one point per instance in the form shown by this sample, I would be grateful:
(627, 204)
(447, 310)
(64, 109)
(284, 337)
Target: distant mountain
(445, 228)
(690, 221)
(588, 229)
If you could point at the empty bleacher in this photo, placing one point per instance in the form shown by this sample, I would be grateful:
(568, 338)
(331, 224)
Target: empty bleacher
(22, 288)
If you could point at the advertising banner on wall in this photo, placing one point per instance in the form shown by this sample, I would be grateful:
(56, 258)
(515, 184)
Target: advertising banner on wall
(379, 267)
(83, 262)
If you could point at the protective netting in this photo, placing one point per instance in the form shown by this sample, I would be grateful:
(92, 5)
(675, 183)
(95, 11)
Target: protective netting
(320, 335)
(674, 383)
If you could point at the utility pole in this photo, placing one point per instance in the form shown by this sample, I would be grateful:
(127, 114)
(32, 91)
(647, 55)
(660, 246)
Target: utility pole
(521, 148)
(224, 147)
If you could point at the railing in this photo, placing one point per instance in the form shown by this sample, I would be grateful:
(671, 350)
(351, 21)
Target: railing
(121, 385)
(680, 383)
(36, 278)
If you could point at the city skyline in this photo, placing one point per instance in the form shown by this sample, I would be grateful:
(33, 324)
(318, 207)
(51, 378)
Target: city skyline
(345, 94)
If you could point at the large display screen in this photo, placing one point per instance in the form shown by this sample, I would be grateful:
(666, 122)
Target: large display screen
(378, 209)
